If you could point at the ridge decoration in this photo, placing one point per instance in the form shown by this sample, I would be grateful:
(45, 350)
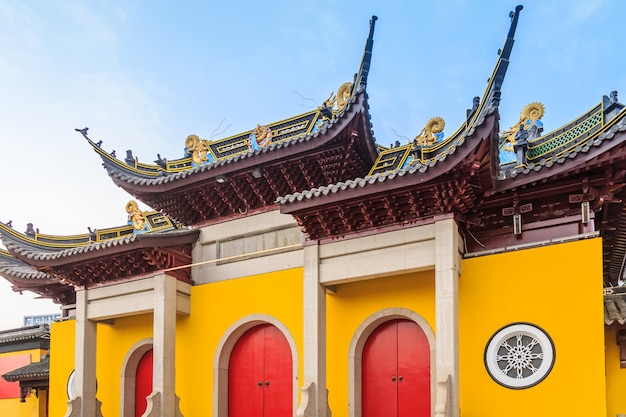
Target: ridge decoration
(260, 137)
(431, 133)
(198, 149)
(136, 217)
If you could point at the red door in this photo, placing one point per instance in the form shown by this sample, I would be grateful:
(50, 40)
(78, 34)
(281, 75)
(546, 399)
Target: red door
(143, 383)
(396, 371)
(259, 375)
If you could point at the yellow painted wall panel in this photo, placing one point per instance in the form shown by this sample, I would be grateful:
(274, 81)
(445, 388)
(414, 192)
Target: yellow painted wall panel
(615, 376)
(113, 343)
(61, 365)
(352, 304)
(214, 309)
(557, 288)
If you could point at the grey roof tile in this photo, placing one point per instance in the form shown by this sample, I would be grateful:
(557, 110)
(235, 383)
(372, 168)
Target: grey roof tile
(33, 370)
(24, 333)
(115, 173)
(416, 168)
(614, 309)
(13, 267)
(585, 147)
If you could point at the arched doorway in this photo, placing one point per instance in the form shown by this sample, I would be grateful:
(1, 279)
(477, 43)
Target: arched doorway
(396, 371)
(136, 378)
(143, 382)
(260, 374)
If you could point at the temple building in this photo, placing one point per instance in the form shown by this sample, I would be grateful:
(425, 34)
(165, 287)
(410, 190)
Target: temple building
(301, 269)
(25, 370)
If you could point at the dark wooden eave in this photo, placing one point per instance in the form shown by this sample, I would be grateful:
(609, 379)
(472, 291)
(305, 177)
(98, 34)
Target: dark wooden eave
(24, 277)
(444, 178)
(398, 197)
(342, 149)
(549, 200)
(115, 259)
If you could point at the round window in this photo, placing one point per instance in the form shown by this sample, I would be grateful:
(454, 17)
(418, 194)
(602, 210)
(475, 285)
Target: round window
(519, 355)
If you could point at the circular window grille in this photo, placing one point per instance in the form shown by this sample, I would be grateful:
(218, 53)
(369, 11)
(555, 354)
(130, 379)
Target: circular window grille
(519, 355)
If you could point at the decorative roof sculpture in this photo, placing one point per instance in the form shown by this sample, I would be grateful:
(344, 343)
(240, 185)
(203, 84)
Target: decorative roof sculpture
(51, 265)
(246, 172)
(412, 182)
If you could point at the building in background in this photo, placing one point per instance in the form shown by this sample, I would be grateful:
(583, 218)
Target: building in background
(41, 319)
(299, 268)
(24, 367)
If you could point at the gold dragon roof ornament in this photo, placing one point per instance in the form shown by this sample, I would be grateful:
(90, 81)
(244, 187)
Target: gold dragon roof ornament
(136, 217)
(432, 132)
(260, 137)
(197, 148)
(530, 116)
(340, 100)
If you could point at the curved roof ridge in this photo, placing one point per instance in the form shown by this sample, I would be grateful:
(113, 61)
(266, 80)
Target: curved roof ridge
(425, 155)
(116, 169)
(36, 253)
(415, 168)
(583, 143)
(25, 333)
(13, 267)
(493, 92)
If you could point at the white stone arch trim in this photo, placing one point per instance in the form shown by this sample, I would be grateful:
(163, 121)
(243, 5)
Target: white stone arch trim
(357, 343)
(225, 348)
(129, 373)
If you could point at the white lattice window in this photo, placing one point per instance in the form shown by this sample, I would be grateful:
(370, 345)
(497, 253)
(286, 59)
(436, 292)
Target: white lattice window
(519, 355)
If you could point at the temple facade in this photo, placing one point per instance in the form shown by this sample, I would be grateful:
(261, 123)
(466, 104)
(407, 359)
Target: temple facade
(301, 269)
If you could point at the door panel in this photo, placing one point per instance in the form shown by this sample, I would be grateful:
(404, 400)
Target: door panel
(413, 370)
(379, 368)
(278, 366)
(259, 375)
(245, 372)
(143, 382)
(396, 371)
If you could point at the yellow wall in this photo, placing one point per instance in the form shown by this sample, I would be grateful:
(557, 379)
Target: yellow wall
(556, 287)
(61, 364)
(615, 376)
(35, 405)
(113, 343)
(215, 307)
(355, 302)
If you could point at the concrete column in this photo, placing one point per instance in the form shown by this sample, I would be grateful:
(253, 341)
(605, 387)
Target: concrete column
(314, 385)
(164, 343)
(85, 358)
(447, 270)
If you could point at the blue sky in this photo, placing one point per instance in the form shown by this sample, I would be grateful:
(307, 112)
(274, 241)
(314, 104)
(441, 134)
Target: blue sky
(144, 75)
